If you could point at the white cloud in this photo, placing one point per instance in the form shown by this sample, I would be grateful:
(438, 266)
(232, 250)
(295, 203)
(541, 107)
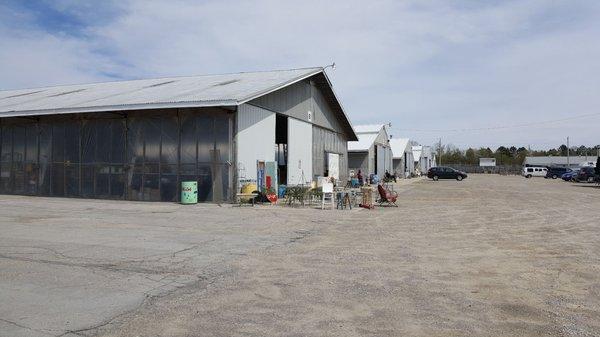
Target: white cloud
(418, 64)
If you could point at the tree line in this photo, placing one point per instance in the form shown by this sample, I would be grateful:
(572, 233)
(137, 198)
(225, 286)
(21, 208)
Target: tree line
(504, 155)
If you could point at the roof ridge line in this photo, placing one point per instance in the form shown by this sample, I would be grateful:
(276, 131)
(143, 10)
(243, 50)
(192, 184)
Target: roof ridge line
(162, 78)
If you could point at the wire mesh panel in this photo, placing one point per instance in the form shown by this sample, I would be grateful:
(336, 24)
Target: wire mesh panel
(18, 157)
(6, 180)
(169, 157)
(138, 155)
(45, 158)
(31, 166)
(72, 157)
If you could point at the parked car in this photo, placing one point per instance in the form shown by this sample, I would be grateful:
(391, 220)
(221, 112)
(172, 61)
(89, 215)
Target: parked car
(442, 172)
(534, 171)
(556, 172)
(585, 174)
(568, 176)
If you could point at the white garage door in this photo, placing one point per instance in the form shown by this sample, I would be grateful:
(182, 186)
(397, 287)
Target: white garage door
(299, 152)
(380, 161)
(333, 165)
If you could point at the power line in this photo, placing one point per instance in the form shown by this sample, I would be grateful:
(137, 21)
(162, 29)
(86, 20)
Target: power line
(504, 126)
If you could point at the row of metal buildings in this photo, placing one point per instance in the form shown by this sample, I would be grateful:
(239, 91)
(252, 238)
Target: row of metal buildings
(138, 140)
(377, 152)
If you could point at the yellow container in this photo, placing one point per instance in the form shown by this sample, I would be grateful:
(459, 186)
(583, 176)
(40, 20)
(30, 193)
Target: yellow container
(248, 188)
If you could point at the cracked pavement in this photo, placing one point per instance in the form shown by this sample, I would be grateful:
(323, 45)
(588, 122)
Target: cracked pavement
(71, 266)
(492, 255)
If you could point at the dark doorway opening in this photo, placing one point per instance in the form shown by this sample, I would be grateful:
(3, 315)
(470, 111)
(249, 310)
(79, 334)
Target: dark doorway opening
(281, 142)
(375, 153)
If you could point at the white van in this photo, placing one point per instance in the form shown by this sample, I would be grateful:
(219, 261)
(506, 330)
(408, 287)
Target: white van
(534, 171)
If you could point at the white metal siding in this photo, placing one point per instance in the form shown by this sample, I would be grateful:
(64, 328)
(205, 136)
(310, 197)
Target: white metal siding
(327, 141)
(299, 152)
(255, 139)
(297, 100)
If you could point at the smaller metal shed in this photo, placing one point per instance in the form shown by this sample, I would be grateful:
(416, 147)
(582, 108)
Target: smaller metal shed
(424, 158)
(403, 162)
(372, 152)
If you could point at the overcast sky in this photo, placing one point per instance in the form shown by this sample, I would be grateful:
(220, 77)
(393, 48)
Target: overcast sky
(425, 66)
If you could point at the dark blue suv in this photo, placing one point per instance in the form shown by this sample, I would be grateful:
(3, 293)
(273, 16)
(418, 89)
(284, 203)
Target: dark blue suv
(556, 172)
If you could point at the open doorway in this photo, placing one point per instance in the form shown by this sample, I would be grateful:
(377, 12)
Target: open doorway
(375, 159)
(281, 148)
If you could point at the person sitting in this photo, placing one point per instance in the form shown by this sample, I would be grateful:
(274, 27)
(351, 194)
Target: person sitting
(388, 176)
(359, 176)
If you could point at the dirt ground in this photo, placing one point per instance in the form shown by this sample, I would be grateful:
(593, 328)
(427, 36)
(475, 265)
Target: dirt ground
(489, 256)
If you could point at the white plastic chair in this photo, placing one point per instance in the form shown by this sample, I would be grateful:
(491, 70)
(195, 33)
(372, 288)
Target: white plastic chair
(328, 194)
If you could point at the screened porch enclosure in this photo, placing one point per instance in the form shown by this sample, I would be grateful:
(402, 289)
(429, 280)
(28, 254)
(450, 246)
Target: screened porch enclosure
(136, 155)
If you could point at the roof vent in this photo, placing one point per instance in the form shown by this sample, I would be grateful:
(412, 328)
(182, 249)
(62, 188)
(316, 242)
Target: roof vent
(67, 92)
(226, 83)
(159, 84)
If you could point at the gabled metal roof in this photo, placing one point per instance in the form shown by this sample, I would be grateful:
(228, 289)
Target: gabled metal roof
(417, 151)
(369, 128)
(171, 92)
(204, 90)
(364, 143)
(367, 135)
(399, 146)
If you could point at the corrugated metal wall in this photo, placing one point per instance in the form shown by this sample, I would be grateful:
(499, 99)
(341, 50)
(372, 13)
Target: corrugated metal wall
(323, 115)
(297, 100)
(139, 155)
(328, 135)
(399, 166)
(358, 161)
(328, 141)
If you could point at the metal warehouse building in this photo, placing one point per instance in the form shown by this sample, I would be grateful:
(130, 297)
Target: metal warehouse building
(424, 158)
(403, 162)
(138, 140)
(371, 153)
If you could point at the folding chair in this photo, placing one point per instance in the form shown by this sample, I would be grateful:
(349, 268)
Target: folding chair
(386, 196)
(328, 195)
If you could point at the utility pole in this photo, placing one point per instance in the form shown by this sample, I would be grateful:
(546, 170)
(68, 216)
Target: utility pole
(568, 158)
(440, 150)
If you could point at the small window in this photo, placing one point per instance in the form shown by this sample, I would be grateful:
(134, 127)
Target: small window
(529, 170)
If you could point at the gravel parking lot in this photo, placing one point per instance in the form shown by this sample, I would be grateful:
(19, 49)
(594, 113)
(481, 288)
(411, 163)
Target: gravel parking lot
(489, 256)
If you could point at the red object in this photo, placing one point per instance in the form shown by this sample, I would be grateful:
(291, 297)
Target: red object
(268, 182)
(272, 198)
(386, 196)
